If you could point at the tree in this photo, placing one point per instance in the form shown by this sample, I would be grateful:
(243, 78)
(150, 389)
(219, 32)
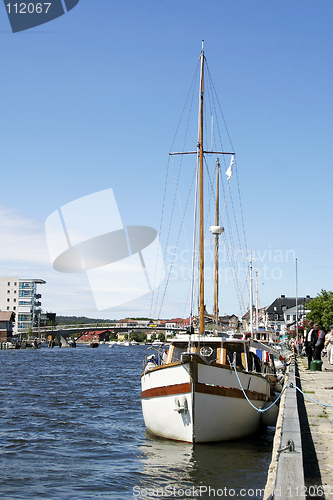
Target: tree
(161, 337)
(321, 309)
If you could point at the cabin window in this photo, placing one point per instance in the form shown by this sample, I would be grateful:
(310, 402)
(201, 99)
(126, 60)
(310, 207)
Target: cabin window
(232, 350)
(255, 364)
(178, 349)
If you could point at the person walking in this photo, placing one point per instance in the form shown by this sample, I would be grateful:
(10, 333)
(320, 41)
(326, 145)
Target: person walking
(329, 345)
(320, 341)
(310, 343)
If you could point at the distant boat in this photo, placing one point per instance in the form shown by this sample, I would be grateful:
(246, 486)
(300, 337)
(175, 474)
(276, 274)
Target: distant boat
(94, 344)
(157, 343)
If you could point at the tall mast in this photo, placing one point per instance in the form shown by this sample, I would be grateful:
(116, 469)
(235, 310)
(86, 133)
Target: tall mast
(200, 152)
(201, 218)
(251, 259)
(251, 299)
(217, 231)
(216, 256)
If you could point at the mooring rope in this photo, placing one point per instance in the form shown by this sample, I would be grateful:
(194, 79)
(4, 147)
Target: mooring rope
(291, 386)
(260, 410)
(311, 399)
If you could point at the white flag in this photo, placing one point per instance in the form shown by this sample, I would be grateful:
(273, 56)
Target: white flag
(229, 171)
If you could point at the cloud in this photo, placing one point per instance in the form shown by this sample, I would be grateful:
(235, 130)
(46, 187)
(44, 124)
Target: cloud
(22, 239)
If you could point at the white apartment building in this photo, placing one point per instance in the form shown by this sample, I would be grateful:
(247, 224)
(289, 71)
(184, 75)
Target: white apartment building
(21, 297)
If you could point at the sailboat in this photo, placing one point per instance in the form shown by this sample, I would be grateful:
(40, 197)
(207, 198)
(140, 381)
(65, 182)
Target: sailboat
(208, 387)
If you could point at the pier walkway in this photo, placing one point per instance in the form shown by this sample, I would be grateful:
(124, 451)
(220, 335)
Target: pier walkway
(316, 424)
(306, 470)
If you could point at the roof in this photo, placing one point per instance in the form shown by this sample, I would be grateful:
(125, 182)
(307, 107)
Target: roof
(7, 315)
(38, 281)
(282, 303)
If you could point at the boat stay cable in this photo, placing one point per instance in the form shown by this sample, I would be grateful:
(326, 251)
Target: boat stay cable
(190, 97)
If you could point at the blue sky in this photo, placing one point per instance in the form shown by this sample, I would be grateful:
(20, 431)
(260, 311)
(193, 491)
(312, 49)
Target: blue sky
(91, 101)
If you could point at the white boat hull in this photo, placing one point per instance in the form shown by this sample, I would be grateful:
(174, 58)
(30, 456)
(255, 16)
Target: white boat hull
(196, 402)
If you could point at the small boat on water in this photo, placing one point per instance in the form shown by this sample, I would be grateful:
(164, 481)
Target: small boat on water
(157, 343)
(206, 388)
(94, 344)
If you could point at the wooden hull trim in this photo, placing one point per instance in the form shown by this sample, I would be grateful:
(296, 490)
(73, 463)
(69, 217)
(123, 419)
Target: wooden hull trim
(203, 389)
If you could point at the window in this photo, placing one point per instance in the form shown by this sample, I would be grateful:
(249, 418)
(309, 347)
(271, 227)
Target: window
(178, 350)
(234, 350)
(294, 317)
(8, 291)
(8, 300)
(8, 283)
(14, 300)
(288, 317)
(14, 308)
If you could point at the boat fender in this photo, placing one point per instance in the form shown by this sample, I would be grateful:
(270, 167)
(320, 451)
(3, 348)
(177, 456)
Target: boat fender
(277, 387)
(150, 365)
(181, 405)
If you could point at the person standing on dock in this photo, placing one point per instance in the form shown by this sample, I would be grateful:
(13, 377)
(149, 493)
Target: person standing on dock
(320, 340)
(310, 341)
(329, 345)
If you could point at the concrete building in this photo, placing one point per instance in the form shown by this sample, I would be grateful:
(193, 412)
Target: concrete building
(20, 296)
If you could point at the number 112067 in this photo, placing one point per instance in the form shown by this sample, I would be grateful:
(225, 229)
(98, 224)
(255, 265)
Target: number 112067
(28, 8)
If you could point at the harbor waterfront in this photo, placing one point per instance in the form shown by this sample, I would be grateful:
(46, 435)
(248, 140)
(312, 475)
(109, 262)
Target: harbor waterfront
(72, 427)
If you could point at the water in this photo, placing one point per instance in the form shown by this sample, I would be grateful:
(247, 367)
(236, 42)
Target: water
(71, 427)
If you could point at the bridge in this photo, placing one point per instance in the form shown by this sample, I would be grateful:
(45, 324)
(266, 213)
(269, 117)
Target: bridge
(80, 330)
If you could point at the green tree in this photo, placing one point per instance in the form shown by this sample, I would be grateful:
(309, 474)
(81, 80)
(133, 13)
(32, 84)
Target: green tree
(161, 337)
(321, 309)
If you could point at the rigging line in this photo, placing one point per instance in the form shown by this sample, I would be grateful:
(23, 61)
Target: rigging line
(160, 231)
(180, 205)
(229, 185)
(177, 241)
(233, 269)
(227, 131)
(191, 93)
(228, 236)
(167, 240)
(245, 288)
(191, 89)
(210, 190)
(194, 239)
(231, 260)
(231, 198)
(224, 160)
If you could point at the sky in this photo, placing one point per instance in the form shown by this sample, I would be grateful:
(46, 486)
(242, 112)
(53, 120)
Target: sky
(91, 101)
